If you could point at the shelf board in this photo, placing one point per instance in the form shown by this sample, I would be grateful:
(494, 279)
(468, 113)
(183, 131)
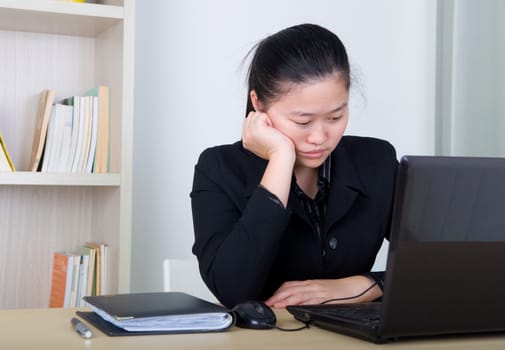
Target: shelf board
(26, 178)
(58, 17)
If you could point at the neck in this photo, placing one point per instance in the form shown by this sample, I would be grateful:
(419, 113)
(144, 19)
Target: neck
(306, 178)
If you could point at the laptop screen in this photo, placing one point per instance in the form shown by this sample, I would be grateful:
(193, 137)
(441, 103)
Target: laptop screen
(446, 261)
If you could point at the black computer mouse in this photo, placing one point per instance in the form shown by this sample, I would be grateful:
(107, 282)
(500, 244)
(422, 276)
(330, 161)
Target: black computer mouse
(255, 315)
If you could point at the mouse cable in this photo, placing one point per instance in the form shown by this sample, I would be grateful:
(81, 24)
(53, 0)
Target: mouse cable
(306, 325)
(349, 298)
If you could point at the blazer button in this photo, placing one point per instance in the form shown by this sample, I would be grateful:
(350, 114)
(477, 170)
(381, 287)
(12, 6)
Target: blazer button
(333, 242)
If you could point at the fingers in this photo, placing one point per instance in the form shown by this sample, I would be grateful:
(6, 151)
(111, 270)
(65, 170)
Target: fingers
(255, 124)
(295, 299)
(260, 136)
(349, 289)
(252, 132)
(296, 292)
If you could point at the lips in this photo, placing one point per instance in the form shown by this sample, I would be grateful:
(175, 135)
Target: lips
(313, 154)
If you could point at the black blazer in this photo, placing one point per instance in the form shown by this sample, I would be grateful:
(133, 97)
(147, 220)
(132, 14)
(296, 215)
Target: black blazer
(247, 244)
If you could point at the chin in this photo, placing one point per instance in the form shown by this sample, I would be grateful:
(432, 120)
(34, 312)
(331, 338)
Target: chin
(311, 163)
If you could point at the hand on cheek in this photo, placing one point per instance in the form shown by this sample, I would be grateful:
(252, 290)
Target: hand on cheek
(260, 136)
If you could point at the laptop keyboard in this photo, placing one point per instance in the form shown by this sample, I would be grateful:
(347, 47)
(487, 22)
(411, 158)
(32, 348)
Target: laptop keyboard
(364, 312)
(361, 320)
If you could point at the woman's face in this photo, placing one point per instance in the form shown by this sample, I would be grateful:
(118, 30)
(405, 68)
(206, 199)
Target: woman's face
(314, 116)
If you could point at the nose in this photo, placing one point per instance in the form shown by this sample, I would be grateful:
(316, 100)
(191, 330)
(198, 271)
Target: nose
(317, 134)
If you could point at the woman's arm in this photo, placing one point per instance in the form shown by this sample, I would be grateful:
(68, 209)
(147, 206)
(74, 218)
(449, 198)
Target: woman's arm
(262, 139)
(352, 289)
(236, 246)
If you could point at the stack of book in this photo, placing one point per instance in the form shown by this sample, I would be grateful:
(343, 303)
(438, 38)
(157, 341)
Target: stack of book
(78, 274)
(72, 135)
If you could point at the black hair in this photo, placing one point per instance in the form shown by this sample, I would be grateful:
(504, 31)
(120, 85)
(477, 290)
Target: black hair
(296, 54)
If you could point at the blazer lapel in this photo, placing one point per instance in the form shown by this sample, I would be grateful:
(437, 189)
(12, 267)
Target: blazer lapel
(345, 187)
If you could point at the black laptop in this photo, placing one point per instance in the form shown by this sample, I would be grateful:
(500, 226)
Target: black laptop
(445, 270)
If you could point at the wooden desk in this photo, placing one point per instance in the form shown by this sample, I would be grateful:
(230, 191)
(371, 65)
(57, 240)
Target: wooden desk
(51, 329)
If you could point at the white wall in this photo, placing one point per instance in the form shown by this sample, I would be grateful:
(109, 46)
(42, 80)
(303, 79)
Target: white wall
(190, 94)
(478, 79)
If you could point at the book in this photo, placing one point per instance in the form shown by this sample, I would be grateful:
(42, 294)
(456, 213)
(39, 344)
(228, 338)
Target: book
(5, 159)
(100, 263)
(58, 280)
(101, 163)
(4, 162)
(51, 126)
(82, 279)
(91, 276)
(80, 104)
(73, 101)
(159, 312)
(93, 135)
(66, 139)
(58, 138)
(76, 261)
(87, 114)
(39, 137)
(61, 279)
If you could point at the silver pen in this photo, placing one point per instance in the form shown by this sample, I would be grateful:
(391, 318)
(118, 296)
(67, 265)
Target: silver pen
(81, 328)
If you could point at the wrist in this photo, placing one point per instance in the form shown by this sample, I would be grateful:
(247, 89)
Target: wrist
(284, 155)
(375, 277)
(277, 175)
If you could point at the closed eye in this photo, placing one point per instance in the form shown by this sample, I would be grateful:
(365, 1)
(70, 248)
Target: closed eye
(336, 118)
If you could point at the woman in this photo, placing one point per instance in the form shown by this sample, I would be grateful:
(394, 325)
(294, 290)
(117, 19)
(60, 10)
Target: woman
(295, 213)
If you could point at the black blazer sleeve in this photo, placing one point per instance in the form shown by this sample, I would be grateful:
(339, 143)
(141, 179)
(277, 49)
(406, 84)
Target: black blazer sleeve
(236, 233)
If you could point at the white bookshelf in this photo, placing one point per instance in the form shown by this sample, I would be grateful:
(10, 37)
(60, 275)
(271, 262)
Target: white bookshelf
(70, 47)
(26, 178)
(59, 17)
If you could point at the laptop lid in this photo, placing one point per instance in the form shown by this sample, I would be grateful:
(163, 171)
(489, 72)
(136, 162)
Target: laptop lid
(446, 261)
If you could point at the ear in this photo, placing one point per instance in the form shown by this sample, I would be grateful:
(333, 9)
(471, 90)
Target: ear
(258, 106)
